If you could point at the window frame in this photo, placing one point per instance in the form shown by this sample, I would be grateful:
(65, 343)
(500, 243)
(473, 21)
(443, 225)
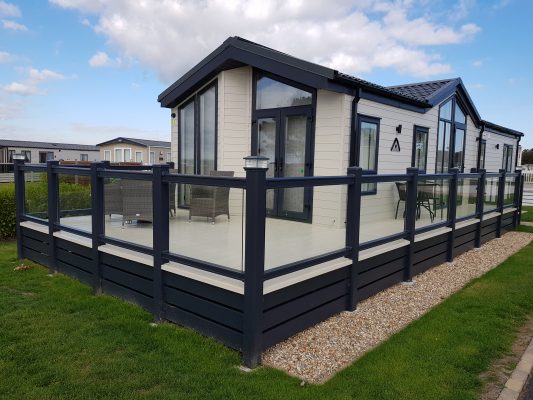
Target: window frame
(425, 129)
(507, 153)
(454, 126)
(197, 144)
(371, 120)
(27, 155)
(84, 155)
(107, 152)
(151, 159)
(141, 158)
(258, 74)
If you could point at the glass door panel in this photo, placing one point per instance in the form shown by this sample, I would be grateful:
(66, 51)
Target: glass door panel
(294, 162)
(266, 147)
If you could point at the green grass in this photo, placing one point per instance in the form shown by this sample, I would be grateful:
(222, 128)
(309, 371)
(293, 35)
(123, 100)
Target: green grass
(57, 340)
(528, 216)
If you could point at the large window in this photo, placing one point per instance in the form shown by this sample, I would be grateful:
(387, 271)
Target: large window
(368, 149)
(107, 155)
(420, 148)
(27, 155)
(197, 137)
(84, 157)
(507, 157)
(451, 137)
(271, 93)
(139, 157)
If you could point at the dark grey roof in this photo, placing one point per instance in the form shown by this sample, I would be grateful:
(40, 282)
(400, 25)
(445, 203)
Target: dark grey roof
(499, 128)
(140, 142)
(46, 145)
(422, 91)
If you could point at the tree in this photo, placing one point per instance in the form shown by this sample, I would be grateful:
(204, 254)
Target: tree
(527, 157)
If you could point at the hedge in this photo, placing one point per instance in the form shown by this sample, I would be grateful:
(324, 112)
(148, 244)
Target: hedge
(71, 197)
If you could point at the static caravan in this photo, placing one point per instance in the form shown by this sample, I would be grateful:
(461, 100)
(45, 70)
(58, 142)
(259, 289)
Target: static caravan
(246, 99)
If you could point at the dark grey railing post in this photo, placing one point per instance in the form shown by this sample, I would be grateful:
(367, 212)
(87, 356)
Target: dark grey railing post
(501, 194)
(254, 259)
(452, 213)
(53, 212)
(353, 222)
(97, 221)
(517, 198)
(480, 205)
(19, 202)
(411, 207)
(160, 209)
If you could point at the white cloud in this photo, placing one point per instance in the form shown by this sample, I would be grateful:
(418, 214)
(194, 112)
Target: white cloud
(10, 109)
(172, 36)
(14, 26)
(6, 57)
(31, 85)
(9, 10)
(477, 63)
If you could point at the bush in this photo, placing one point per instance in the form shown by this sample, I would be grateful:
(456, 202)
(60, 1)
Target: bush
(71, 197)
(7, 211)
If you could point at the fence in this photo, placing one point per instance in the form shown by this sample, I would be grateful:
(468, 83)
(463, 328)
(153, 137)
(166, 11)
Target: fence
(255, 306)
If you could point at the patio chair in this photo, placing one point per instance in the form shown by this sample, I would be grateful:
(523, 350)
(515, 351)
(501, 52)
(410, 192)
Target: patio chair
(210, 201)
(402, 196)
(424, 199)
(136, 201)
(113, 198)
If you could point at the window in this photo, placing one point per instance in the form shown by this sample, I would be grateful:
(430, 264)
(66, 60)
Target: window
(198, 133)
(482, 152)
(107, 155)
(84, 157)
(152, 157)
(27, 155)
(420, 148)
(118, 155)
(10, 156)
(368, 149)
(451, 137)
(508, 157)
(169, 158)
(274, 94)
(139, 156)
(127, 155)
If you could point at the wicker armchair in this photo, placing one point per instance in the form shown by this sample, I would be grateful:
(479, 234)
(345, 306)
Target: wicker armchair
(210, 201)
(137, 201)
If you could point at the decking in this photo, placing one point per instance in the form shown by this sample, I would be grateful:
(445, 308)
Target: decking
(253, 281)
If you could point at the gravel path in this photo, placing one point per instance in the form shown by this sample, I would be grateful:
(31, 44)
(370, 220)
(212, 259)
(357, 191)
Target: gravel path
(317, 353)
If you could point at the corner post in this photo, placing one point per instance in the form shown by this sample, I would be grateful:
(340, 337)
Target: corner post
(160, 209)
(410, 221)
(97, 221)
(501, 194)
(53, 212)
(480, 206)
(254, 259)
(19, 202)
(353, 219)
(452, 213)
(517, 198)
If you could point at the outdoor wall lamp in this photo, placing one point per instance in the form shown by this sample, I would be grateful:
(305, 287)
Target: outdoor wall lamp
(399, 129)
(19, 156)
(256, 162)
(497, 146)
(173, 115)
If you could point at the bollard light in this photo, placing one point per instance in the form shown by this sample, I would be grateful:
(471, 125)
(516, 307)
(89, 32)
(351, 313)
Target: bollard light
(256, 162)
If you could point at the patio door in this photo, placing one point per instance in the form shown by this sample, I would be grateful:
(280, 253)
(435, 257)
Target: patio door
(284, 136)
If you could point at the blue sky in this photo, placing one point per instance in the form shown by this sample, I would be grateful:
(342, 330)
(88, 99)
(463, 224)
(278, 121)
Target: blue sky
(89, 70)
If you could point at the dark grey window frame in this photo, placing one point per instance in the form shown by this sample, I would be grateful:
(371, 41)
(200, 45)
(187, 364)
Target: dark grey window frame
(371, 120)
(509, 153)
(418, 128)
(310, 110)
(196, 99)
(454, 125)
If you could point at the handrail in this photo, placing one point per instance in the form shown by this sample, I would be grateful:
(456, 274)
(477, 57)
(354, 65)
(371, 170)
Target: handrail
(204, 265)
(206, 180)
(307, 181)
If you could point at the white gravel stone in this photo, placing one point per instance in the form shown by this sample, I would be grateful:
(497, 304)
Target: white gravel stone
(316, 354)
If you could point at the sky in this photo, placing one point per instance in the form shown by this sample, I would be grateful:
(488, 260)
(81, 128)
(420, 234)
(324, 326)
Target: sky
(85, 71)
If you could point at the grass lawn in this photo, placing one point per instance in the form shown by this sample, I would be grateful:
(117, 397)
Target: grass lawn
(528, 216)
(57, 340)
